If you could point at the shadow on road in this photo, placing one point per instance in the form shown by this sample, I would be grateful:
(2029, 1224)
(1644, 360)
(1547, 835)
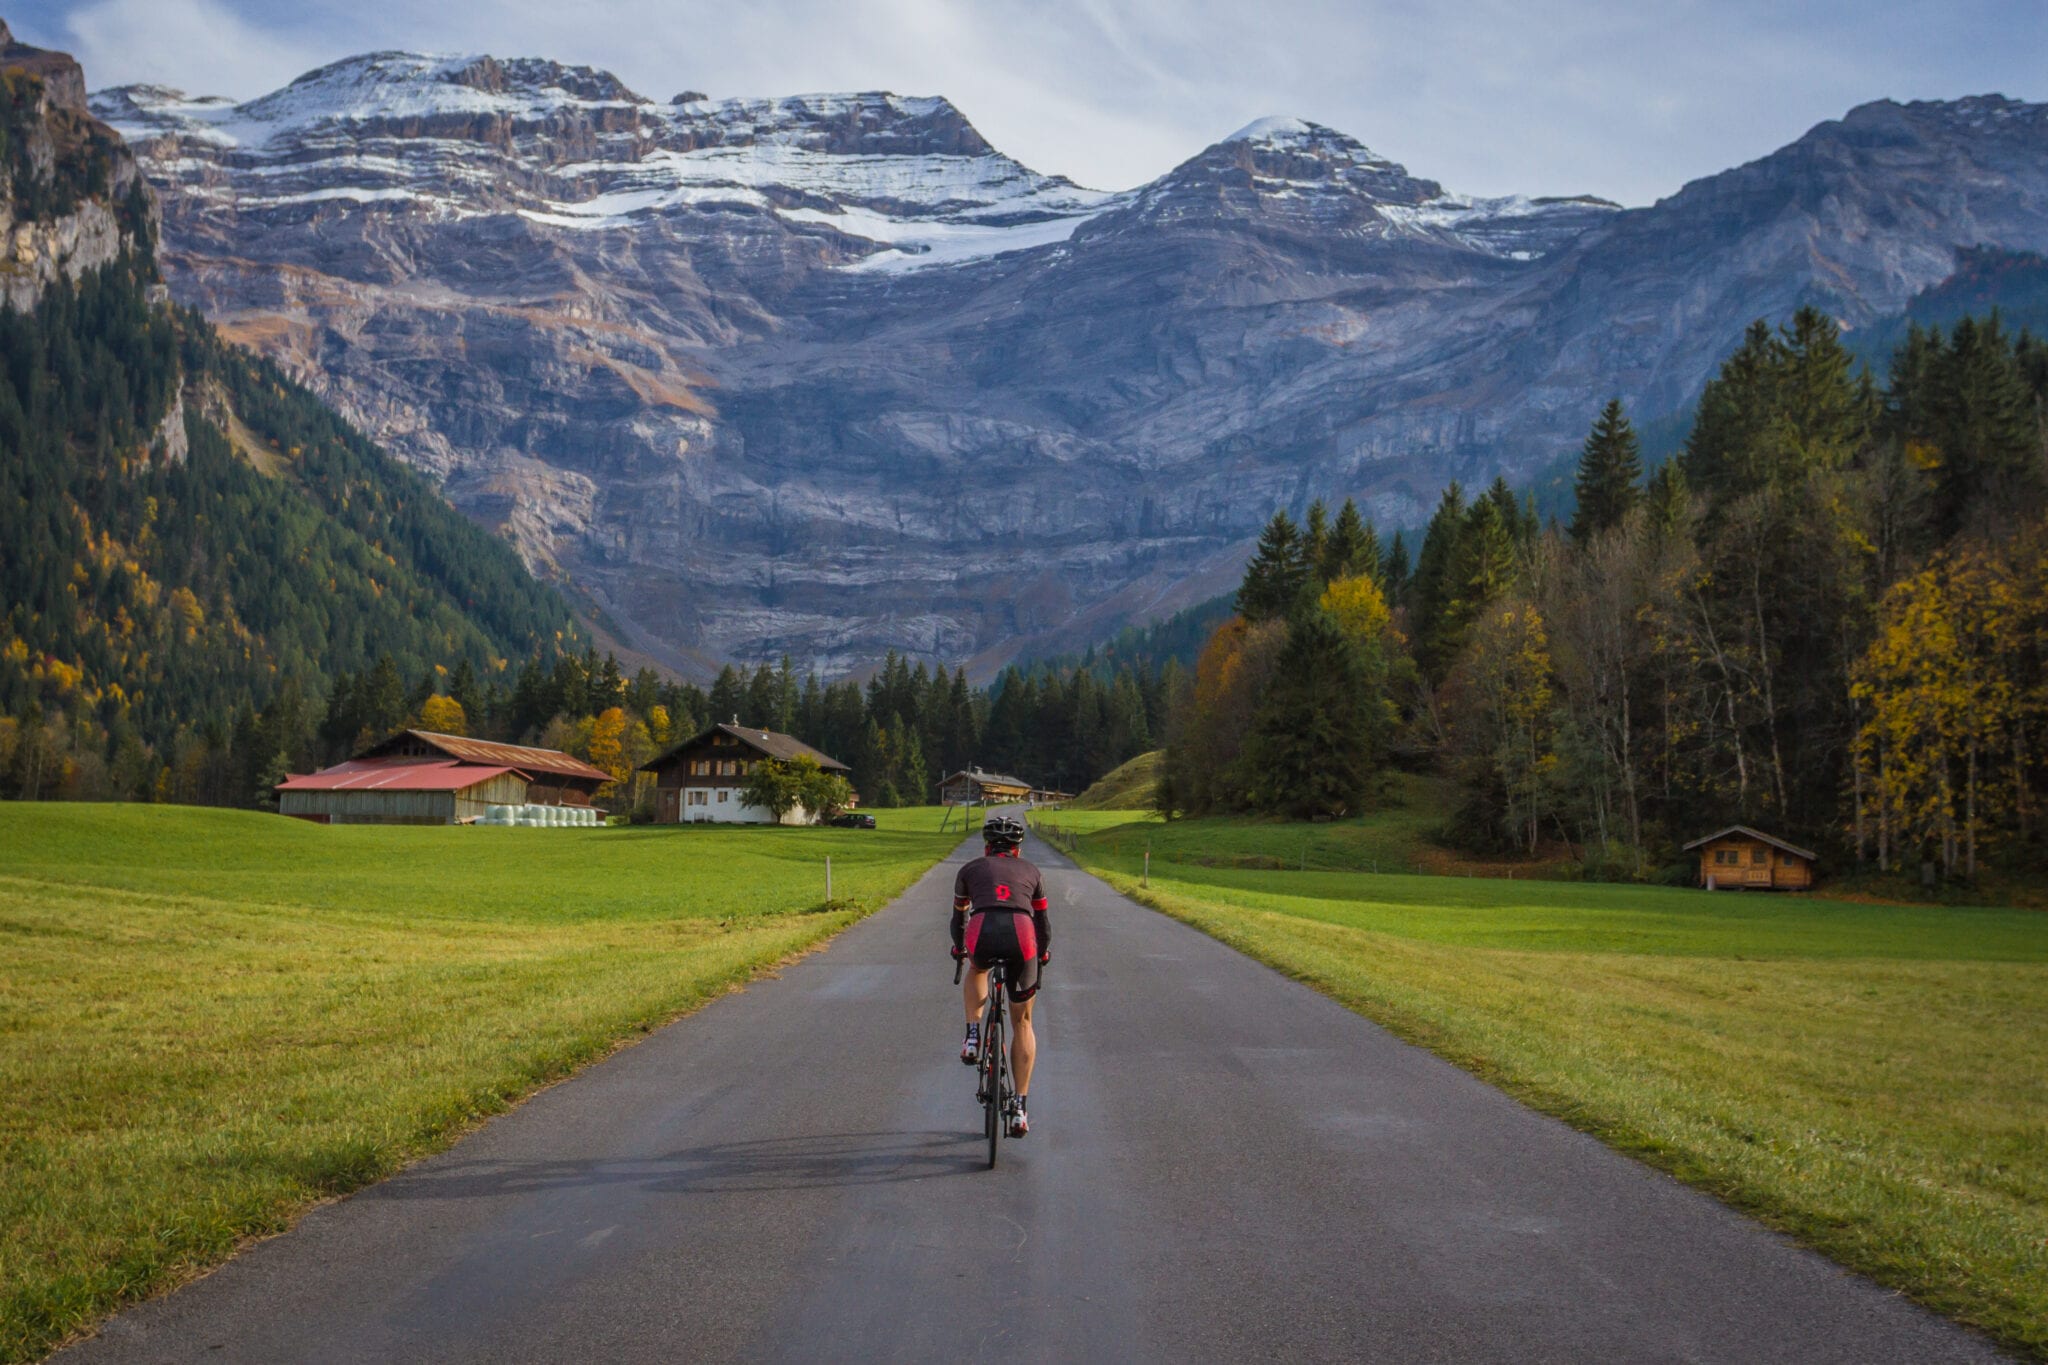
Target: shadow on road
(815, 1161)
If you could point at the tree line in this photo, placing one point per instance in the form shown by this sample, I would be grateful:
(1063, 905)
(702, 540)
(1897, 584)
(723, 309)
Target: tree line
(1827, 616)
(901, 732)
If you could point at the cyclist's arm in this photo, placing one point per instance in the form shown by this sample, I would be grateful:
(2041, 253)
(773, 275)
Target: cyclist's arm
(1041, 920)
(961, 905)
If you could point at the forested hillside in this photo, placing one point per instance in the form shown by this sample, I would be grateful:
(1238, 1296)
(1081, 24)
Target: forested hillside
(1827, 618)
(186, 535)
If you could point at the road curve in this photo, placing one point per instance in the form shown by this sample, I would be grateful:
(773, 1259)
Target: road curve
(1223, 1165)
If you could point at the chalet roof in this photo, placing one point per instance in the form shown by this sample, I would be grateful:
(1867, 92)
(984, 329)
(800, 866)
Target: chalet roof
(773, 743)
(1760, 837)
(552, 762)
(395, 775)
(987, 779)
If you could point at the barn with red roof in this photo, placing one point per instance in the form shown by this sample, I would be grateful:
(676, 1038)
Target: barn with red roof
(417, 777)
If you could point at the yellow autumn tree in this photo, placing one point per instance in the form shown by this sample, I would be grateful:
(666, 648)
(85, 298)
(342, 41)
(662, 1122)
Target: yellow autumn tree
(443, 716)
(1502, 715)
(1941, 751)
(608, 742)
(660, 728)
(1360, 608)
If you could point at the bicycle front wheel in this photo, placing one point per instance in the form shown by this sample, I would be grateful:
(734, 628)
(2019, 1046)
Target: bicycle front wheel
(992, 1089)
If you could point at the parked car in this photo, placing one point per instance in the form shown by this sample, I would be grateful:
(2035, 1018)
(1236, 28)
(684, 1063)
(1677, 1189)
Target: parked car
(853, 820)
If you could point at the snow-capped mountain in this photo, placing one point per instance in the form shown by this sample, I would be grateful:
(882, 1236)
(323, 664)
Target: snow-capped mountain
(831, 375)
(909, 180)
(1287, 174)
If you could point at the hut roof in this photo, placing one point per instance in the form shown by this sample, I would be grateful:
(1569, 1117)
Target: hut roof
(1761, 837)
(773, 743)
(527, 759)
(986, 779)
(397, 775)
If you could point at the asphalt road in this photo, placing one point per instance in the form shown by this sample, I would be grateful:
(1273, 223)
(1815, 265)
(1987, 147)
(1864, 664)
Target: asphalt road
(1224, 1165)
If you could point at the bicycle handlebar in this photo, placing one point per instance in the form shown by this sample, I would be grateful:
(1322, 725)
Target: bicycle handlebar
(959, 965)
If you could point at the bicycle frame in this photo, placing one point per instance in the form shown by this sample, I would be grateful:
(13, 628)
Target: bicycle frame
(993, 1088)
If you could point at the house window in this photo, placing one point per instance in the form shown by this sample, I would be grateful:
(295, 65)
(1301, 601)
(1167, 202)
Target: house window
(726, 768)
(722, 796)
(1726, 856)
(700, 767)
(1759, 856)
(696, 796)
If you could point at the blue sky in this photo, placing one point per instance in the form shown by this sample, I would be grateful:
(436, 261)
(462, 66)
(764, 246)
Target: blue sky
(1629, 100)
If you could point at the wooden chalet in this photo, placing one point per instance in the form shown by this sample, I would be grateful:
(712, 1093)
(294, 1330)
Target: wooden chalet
(973, 787)
(417, 777)
(1739, 858)
(699, 780)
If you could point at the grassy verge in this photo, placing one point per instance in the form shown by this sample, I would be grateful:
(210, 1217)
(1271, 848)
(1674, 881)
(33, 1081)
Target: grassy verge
(211, 1019)
(1867, 1078)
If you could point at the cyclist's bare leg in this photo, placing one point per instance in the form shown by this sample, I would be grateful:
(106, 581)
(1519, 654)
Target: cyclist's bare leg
(974, 991)
(1024, 1049)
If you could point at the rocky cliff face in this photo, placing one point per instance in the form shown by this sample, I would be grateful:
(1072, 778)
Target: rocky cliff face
(831, 375)
(70, 194)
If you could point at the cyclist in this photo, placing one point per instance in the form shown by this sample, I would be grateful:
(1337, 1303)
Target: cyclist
(999, 915)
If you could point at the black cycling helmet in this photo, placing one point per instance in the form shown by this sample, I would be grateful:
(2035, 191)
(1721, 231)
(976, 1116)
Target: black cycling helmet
(1002, 831)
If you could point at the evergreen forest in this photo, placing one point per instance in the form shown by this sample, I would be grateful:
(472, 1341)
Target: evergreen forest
(1825, 617)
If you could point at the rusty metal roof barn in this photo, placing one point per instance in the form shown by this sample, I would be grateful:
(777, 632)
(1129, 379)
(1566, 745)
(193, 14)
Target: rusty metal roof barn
(532, 761)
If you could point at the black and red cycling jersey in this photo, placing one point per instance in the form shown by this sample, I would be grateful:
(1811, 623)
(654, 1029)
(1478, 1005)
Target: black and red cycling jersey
(1000, 914)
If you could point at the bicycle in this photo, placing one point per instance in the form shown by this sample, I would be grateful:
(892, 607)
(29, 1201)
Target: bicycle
(992, 1087)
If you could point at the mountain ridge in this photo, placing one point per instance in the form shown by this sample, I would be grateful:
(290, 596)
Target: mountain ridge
(753, 392)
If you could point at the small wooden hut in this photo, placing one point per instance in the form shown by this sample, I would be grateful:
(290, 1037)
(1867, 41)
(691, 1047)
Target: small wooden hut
(973, 787)
(1739, 858)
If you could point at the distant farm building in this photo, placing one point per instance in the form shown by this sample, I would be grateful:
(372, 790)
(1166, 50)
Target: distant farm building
(1743, 859)
(420, 778)
(973, 787)
(699, 780)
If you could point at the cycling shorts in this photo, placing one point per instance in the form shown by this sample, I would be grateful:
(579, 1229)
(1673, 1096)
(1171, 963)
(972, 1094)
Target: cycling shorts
(1008, 937)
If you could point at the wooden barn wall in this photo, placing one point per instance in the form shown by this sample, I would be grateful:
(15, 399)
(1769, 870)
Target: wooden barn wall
(372, 808)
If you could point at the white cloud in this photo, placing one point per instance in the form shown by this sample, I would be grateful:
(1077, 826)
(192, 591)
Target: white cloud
(191, 44)
(1616, 97)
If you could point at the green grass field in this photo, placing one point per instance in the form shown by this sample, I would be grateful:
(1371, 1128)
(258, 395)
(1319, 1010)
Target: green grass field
(1869, 1078)
(1394, 838)
(211, 1019)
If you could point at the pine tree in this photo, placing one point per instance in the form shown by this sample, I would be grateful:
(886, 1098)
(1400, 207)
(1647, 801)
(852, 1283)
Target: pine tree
(1353, 547)
(468, 694)
(1394, 569)
(1312, 750)
(1668, 499)
(1517, 515)
(728, 696)
(1315, 538)
(1438, 583)
(1277, 578)
(1984, 427)
(1610, 465)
